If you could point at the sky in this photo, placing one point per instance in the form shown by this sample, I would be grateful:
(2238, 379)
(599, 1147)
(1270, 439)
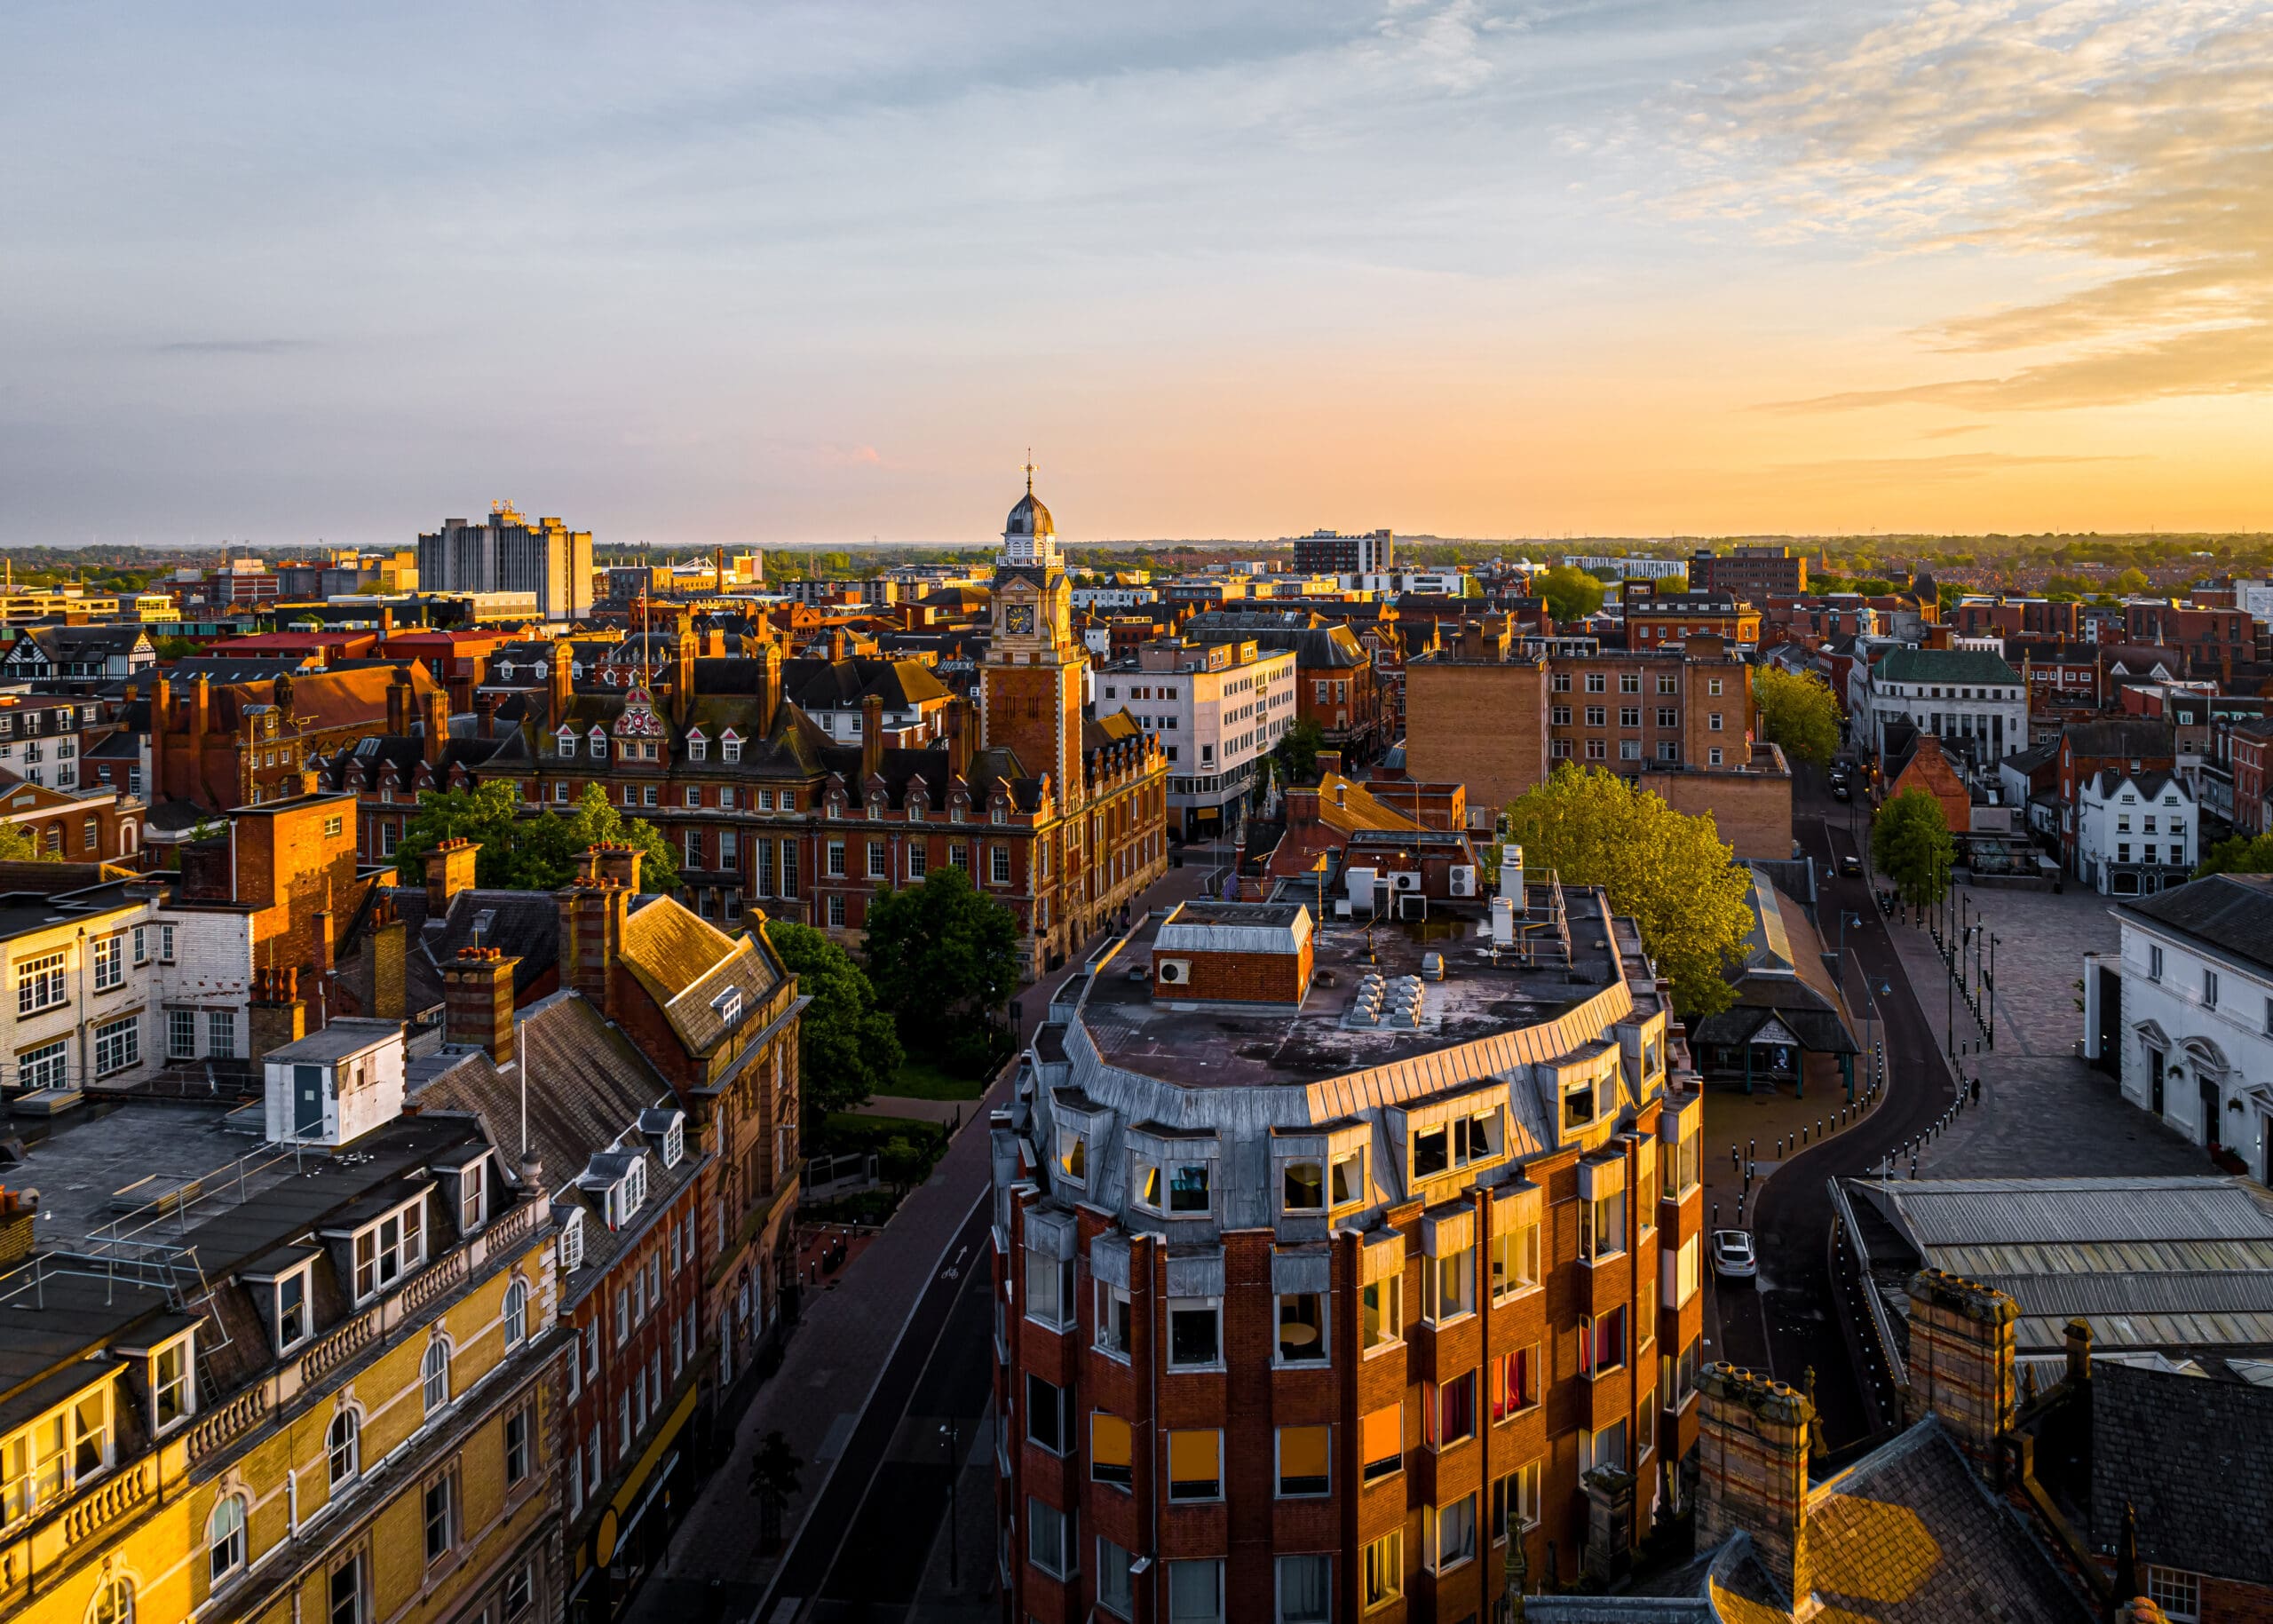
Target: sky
(824, 274)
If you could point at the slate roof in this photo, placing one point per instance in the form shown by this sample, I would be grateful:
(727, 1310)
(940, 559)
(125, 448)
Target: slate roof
(842, 685)
(687, 964)
(2231, 912)
(1944, 665)
(1314, 646)
(2137, 737)
(2191, 1454)
(1783, 979)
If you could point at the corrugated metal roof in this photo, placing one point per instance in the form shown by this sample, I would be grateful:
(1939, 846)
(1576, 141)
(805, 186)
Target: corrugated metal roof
(1974, 1213)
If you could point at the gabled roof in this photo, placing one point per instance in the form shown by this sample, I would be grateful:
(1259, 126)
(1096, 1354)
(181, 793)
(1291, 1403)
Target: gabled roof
(2139, 737)
(2231, 912)
(2191, 1454)
(687, 965)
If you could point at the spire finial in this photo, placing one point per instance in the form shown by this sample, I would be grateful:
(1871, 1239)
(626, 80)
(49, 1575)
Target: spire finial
(1029, 470)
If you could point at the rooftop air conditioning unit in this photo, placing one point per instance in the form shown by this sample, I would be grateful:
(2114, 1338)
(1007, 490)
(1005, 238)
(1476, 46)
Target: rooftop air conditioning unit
(1463, 879)
(1405, 879)
(1173, 972)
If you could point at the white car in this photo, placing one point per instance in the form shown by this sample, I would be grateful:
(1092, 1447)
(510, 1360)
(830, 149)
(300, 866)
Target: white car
(1732, 1257)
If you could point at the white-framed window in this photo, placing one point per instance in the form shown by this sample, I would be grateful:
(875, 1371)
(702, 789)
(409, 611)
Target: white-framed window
(1450, 1532)
(1515, 1261)
(517, 1313)
(391, 1249)
(141, 943)
(1383, 1581)
(517, 1460)
(440, 1508)
(181, 1034)
(1196, 1592)
(520, 1590)
(41, 983)
(165, 944)
(118, 1046)
(114, 1601)
(1115, 1592)
(435, 1377)
(221, 1033)
(1305, 1589)
(1448, 1287)
(1050, 1290)
(1051, 1543)
(1110, 1328)
(2177, 1592)
(344, 1447)
(173, 1381)
(225, 1537)
(293, 1322)
(109, 956)
(999, 861)
(1516, 1493)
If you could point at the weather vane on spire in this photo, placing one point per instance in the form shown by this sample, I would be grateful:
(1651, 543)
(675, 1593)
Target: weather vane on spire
(1029, 470)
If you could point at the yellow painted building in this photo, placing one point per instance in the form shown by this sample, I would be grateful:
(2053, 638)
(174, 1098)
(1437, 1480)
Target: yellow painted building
(317, 1383)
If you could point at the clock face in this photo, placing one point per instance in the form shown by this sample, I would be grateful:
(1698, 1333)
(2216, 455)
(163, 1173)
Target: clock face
(1020, 621)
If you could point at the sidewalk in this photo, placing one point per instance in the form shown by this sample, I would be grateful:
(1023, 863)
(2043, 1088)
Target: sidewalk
(839, 1349)
(949, 1112)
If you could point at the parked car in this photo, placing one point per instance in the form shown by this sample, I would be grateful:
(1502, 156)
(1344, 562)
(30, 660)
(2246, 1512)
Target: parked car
(1851, 867)
(1732, 1258)
(1838, 790)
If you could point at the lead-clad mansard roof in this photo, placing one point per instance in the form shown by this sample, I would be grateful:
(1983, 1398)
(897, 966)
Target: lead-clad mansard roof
(1029, 517)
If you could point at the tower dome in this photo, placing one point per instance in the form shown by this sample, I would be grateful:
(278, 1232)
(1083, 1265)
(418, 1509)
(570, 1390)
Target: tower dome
(1029, 517)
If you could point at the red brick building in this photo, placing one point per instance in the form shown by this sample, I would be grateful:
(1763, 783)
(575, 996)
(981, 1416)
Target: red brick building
(221, 745)
(2131, 745)
(2248, 743)
(2212, 640)
(1669, 619)
(1301, 1313)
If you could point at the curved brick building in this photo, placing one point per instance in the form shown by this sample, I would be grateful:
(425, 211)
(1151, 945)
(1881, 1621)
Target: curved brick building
(1327, 1247)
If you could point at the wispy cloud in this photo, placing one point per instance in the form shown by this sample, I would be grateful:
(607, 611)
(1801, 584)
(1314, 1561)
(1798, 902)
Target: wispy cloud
(1952, 431)
(234, 346)
(2133, 141)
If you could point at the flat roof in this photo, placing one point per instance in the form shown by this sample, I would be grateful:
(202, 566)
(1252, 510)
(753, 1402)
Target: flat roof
(346, 1036)
(1203, 1044)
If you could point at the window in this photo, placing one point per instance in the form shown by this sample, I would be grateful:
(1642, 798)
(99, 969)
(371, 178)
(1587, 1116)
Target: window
(1515, 1261)
(1606, 1447)
(1303, 1466)
(221, 1033)
(1112, 1450)
(1196, 1592)
(1301, 1186)
(2179, 1594)
(877, 868)
(1602, 1341)
(109, 962)
(225, 1537)
(916, 864)
(1602, 1226)
(118, 1046)
(1384, 1576)
(1305, 1589)
(517, 1447)
(1451, 1532)
(520, 1590)
(40, 984)
(836, 858)
(1050, 1290)
(517, 1313)
(1515, 1495)
(2209, 989)
(1073, 1155)
(1050, 1414)
(1050, 1538)
(1195, 1465)
(291, 1310)
(439, 1535)
(435, 1377)
(836, 910)
(1349, 1178)
(1192, 1333)
(165, 944)
(1447, 1286)
(1188, 1187)
(1116, 1594)
(1000, 865)
(173, 1385)
(114, 1603)
(1382, 1307)
(2154, 964)
(1597, 683)
(344, 1447)
(1688, 1271)
(1448, 1412)
(1302, 1328)
(1111, 1324)
(389, 1250)
(1514, 1382)
(1597, 716)
(1381, 1441)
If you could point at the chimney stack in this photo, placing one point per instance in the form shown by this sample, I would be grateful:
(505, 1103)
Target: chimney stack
(612, 861)
(398, 704)
(449, 870)
(872, 739)
(1753, 1446)
(592, 914)
(557, 674)
(959, 738)
(485, 712)
(478, 1001)
(276, 1016)
(437, 709)
(385, 944)
(386, 625)
(162, 721)
(769, 686)
(1961, 1361)
(836, 642)
(2079, 1339)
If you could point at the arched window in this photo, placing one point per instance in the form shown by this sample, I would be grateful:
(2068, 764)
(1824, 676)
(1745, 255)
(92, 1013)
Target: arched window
(114, 1601)
(225, 1537)
(517, 1313)
(437, 1372)
(344, 1446)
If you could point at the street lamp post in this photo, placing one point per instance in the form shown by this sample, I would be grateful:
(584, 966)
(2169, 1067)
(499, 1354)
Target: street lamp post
(1992, 989)
(951, 1432)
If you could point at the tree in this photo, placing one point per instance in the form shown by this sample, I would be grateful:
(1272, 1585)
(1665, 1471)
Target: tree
(174, 648)
(773, 1470)
(851, 1047)
(19, 845)
(2241, 854)
(1799, 712)
(1295, 755)
(1911, 846)
(1571, 594)
(522, 853)
(2129, 584)
(944, 958)
(1672, 873)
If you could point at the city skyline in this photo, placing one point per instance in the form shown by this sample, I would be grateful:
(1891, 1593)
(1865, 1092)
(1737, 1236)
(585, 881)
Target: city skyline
(796, 275)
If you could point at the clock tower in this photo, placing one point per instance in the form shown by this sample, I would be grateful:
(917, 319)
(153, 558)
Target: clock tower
(1030, 685)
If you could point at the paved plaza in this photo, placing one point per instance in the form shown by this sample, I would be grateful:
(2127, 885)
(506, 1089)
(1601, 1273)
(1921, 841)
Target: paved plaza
(2044, 1113)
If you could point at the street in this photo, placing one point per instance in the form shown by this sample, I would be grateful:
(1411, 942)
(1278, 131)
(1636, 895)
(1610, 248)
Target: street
(1785, 1323)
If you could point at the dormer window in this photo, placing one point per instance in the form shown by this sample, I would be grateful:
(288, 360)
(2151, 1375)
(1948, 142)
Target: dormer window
(675, 1141)
(572, 1243)
(474, 1202)
(567, 744)
(1579, 1103)
(628, 1194)
(599, 744)
(173, 1381)
(729, 746)
(698, 747)
(1073, 1155)
(391, 1249)
(293, 1322)
(729, 1005)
